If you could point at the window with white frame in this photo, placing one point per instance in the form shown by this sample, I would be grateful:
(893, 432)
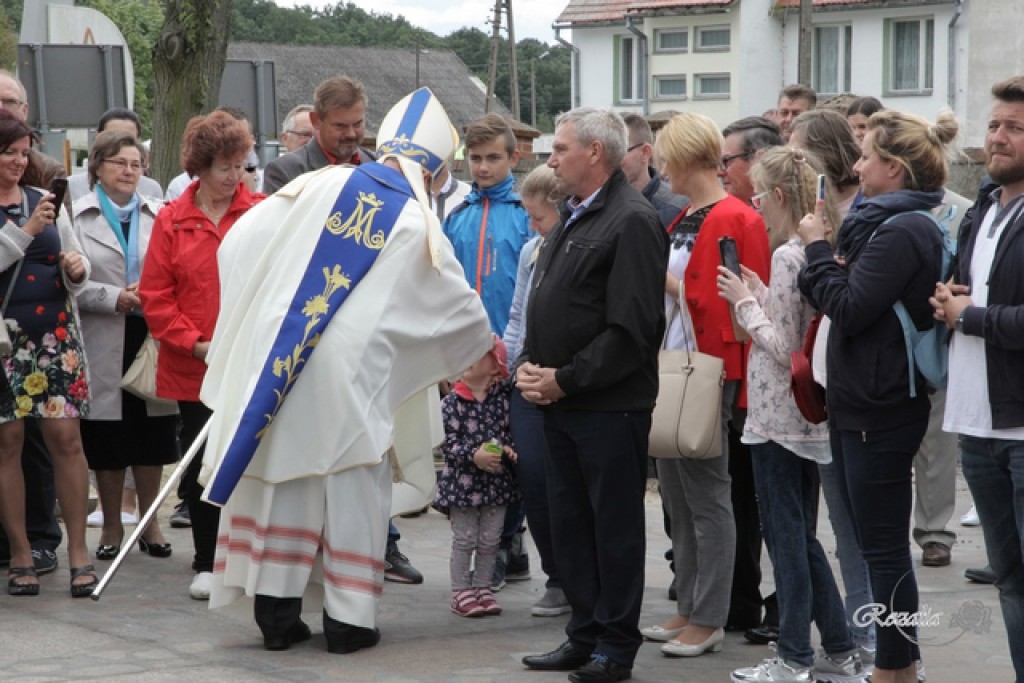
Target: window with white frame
(670, 87)
(713, 38)
(832, 59)
(672, 40)
(910, 44)
(629, 86)
(711, 86)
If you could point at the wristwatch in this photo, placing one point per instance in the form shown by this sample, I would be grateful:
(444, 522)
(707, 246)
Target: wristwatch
(959, 324)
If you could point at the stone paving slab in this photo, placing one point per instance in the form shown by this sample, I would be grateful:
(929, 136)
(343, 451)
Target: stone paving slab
(146, 628)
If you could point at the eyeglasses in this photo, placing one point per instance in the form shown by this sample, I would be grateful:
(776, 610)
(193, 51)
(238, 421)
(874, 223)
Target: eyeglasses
(757, 201)
(10, 102)
(725, 161)
(124, 164)
(300, 133)
(630, 149)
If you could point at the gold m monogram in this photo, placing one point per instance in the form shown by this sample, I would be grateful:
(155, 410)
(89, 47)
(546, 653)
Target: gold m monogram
(359, 225)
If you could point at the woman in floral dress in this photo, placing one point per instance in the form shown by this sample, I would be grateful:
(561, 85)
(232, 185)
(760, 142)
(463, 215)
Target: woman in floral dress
(44, 376)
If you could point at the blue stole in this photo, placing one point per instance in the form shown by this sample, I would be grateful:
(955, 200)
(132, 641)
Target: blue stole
(130, 247)
(356, 229)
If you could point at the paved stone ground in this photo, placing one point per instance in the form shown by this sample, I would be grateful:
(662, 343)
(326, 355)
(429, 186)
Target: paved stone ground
(146, 628)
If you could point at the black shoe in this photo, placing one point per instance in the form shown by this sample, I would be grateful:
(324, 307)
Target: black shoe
(762, 635)
(44, 560)
(154, 549)
(181, 518)
(399, 569)
(343, 639)
(600, 669)
(981, 574)
(298, 633)
(566, 657)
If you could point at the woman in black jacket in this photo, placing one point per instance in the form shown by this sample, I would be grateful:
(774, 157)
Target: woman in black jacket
(886, 253)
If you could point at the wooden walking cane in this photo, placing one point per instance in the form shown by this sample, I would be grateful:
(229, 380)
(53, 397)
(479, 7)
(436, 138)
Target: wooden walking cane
(171, 484)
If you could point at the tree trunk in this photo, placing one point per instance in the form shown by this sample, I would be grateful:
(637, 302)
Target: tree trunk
(188, 62)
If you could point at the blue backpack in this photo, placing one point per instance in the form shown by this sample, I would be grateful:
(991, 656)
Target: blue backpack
(928, 350)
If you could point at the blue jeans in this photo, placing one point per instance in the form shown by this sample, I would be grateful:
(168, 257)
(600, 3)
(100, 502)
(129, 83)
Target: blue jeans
(527, 422)
(879, 481)
(856, 578)
(787, 493)
(994, 469)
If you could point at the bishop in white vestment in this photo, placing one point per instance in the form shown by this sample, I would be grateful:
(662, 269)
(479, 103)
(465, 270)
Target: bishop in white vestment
(341, 302)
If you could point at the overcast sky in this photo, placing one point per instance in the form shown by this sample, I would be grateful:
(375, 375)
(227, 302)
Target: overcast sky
(533, 18)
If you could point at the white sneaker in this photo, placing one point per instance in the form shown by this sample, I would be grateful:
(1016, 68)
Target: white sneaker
(128, 518)
(773, 670)
(970, 518)
(837, 669)
(201, 586)
(95, 518)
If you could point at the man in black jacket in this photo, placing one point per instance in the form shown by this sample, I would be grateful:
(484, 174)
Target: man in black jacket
(594, 325)
(985, 396)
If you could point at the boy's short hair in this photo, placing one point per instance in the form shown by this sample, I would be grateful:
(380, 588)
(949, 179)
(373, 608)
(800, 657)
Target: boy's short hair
(490, 127)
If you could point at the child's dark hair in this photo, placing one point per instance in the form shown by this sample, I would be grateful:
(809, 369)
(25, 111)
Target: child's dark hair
(490, 127)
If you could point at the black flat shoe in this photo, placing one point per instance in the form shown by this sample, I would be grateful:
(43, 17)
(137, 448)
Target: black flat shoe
(83, 590)
(600, 669)
(154, 549)
(296, 634)
(343, 639)
(15, 588)
(107, 552)
(566, 657)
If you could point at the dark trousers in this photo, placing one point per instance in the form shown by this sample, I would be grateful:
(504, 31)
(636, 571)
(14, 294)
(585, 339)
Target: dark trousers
(205, 517)
(596, 475)
(879, 482)
(40, 497)
(745, 603)
(527, 421)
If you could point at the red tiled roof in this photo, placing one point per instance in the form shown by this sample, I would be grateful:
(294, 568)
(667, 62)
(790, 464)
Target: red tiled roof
(613, 11)
(780, 4)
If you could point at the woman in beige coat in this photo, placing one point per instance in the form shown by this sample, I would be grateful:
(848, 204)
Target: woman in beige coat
(114, 224)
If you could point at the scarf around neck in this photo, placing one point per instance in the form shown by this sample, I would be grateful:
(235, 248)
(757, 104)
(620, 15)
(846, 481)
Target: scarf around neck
(116, 216)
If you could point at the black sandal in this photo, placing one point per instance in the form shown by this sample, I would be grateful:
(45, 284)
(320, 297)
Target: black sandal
(15, 588)
(83, 590)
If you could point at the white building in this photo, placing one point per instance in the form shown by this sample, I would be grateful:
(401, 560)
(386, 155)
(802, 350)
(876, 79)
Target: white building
(730, 58)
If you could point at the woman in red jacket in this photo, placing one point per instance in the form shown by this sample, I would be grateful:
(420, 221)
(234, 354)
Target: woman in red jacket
(697, 493)
(180, 292)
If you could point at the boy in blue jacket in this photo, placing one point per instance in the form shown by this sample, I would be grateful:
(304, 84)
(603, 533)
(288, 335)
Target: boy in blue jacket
(490, 227)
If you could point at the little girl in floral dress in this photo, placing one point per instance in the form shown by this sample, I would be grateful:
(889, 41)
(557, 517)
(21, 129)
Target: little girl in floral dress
(478, 480)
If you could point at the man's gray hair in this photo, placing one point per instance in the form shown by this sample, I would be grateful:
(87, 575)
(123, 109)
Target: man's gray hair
(601, 125)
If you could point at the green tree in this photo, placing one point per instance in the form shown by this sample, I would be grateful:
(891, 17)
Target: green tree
(140, 22)
(8, 41)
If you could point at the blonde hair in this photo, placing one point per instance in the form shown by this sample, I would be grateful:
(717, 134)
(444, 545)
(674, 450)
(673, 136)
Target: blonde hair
(540, 184)
(917, 145)
(689, 139)
(794, 173)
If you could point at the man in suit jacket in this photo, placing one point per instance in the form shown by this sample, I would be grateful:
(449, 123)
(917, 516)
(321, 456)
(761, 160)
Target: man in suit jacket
(339, 122)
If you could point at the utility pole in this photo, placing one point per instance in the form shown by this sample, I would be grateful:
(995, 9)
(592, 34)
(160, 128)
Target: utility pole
(492, 66)
(513, 62)
(803, 64)
(533, 92)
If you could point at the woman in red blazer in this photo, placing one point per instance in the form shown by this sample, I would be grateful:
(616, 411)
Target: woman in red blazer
(697, 493)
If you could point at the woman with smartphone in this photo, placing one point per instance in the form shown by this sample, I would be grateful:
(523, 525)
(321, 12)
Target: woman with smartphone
(697, 493)
(114, 224)
(785, 448)
(892, 252)
(44, 373)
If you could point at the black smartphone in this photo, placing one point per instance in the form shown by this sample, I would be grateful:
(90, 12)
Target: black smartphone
(58, 187)
(821, 188)
(730, 255)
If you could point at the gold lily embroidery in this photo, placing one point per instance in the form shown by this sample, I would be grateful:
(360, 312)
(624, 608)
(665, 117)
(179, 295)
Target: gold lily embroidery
(314, 308)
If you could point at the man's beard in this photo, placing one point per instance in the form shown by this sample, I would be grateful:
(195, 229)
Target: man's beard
(1005, 175)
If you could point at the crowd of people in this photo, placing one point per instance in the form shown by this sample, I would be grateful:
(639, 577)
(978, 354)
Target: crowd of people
(523, 319)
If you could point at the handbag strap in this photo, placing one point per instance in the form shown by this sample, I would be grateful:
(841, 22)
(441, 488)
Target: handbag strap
(10, 287)
(812, 334)
(679, 305)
